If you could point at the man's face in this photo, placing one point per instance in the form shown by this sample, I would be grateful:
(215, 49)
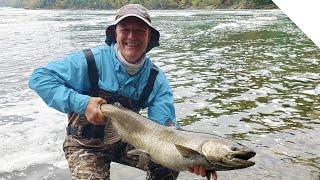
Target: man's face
(132, 36)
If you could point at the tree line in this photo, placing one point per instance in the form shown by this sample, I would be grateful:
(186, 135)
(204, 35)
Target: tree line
(150, 4)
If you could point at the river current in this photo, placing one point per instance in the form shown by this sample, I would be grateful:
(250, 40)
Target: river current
(250, 75)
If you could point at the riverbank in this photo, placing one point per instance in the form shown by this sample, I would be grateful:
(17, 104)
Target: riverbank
(234, 7)
(239, 5)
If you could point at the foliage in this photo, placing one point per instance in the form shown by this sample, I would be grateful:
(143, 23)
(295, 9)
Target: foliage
(151, 4)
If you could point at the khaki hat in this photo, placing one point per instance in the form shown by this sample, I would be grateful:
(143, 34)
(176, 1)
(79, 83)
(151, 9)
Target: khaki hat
(138, 11)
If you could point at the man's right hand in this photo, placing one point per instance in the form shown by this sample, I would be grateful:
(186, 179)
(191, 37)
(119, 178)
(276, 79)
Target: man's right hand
(93, 112)
(199, 170)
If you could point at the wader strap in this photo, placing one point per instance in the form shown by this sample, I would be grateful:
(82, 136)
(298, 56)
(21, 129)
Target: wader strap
(92, 73)
(149, 86)
(90, 130)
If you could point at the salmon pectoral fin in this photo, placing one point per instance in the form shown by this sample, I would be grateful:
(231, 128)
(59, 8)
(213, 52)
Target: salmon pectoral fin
(186, 152)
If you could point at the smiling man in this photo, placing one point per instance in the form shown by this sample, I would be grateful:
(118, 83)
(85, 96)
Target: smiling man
(119, 72)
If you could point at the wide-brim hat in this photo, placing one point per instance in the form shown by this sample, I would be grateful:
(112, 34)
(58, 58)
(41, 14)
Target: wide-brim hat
(133, 10)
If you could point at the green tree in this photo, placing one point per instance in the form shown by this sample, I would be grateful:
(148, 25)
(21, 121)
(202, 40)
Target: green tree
(152, 4)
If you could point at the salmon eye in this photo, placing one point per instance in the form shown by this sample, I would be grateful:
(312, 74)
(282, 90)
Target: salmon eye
(234, 149)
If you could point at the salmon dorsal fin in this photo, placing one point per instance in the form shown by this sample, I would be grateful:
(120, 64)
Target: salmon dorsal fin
(186, 152)
(110, 134)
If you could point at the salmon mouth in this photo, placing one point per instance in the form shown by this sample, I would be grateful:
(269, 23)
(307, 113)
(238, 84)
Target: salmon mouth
(242, 159)
(233, 161)
(245, 156)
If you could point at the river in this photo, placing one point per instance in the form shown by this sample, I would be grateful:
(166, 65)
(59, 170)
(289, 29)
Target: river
(249, 75)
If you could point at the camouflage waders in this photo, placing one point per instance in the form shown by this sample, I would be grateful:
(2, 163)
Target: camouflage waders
(90, 159)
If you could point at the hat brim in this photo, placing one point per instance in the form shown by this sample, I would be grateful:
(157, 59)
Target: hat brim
(154, 37)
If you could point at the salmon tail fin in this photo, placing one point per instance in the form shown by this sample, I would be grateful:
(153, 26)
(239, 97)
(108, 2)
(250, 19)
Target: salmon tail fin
(111, 135)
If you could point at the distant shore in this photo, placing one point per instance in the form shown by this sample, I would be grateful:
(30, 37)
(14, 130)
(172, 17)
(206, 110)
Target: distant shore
(239, 6)
(266, 7)
(190, 6)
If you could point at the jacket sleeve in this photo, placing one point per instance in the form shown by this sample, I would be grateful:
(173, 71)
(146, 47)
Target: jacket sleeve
(60, 83)
(161, 107)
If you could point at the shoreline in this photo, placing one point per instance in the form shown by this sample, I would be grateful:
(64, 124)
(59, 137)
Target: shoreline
(232, 7)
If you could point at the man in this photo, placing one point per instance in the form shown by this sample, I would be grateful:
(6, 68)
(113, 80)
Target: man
(116, 72)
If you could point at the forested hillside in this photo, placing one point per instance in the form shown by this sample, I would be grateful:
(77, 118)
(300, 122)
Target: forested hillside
(151, 4)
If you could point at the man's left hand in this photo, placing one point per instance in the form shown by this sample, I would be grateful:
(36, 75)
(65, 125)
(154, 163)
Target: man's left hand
(199, 170)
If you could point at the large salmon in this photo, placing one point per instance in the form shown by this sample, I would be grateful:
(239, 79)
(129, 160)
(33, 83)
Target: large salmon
(173, 148)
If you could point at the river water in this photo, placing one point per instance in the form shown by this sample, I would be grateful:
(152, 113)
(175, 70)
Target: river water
(249, 75)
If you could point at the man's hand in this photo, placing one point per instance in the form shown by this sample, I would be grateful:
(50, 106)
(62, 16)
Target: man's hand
(199, 170)
(93, 112)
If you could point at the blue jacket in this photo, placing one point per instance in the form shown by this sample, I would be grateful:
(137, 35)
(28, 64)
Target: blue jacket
(62, 83)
